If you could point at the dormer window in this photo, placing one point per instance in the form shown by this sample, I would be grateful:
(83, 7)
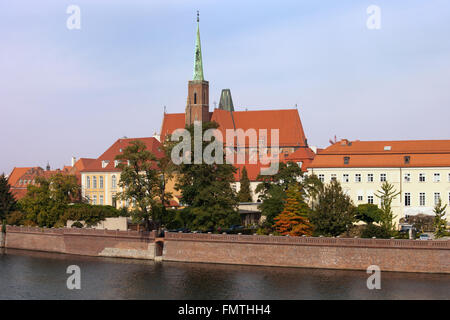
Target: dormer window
(407, 159)
(105, 163)
(116, 163)
(346, 160)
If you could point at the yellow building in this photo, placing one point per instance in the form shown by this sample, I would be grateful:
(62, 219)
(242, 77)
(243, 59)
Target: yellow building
(419, 170)
(100, 178)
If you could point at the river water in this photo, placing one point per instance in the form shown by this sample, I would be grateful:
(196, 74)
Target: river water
(36, 275)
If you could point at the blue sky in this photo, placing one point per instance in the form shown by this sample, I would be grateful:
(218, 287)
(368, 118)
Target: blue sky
(71, 93)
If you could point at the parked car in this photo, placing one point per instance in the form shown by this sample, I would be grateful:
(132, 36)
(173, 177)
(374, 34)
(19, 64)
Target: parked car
(424, 236)
(184, 230)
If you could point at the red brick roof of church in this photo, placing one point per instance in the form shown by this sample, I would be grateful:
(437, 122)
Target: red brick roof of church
(366, 154)
(287, 121)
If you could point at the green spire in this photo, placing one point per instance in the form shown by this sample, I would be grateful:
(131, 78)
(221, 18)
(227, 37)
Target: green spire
(198, 64)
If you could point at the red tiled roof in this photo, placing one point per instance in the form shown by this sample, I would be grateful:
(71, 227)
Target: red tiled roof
(96, 165)
(286, 121)
(365, 154)
(305, 155)
(16, 174)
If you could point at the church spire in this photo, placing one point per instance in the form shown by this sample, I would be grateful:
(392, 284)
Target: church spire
(198, 64)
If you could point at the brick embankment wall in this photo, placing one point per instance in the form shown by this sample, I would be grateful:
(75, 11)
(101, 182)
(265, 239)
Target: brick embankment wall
(89, 242)
(331, 253)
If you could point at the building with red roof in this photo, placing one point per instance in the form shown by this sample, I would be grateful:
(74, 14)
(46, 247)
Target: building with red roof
(418, 169)
(100, 177)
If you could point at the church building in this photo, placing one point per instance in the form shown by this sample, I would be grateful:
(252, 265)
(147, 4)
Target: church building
(292, 138)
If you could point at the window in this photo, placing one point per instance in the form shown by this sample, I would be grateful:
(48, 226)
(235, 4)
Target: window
(101, 182)
(422, 199)
(300, 164)
(88, 182)
(370, 199)
(345, 177)
(407, 199)
(346, 160)
(358, 177)
(407, 177)
(360, 198)
(101, 199)
(322, 178)
(437, 197)
(437, 177)
(104, 163)
(333, 177)
(114, 182)
(94, 182)
(383, 177)
(94, 199)
(370, 177)
(407, 159)
(195, 98)
(421, 177)
(449, 177)
(116, 163)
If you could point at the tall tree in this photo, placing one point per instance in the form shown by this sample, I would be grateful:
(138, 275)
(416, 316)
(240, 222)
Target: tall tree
(139, 181)
(245, 194)
(334, 212)
(387, 194)
(293, 220)
(440, 223)
(206, 187)
(7, 200)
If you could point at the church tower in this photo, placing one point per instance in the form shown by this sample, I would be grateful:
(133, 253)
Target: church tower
(197, 106)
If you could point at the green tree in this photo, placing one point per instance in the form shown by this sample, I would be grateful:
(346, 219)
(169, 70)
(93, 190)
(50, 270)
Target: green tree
(272, 203)
(206, 188)
(369, 213)
(312, 187)
(47, 200)
(245, 194)
(7, 201)
(440, 223)
(140, 181)
(334, 212)
(386, 195)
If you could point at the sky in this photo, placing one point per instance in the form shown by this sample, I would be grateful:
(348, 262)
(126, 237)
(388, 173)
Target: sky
(66, 93)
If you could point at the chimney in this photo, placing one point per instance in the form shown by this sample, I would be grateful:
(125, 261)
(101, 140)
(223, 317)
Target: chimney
(73, 161)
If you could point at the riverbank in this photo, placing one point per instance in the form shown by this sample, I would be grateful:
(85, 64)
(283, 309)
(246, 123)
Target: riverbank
(304, 252)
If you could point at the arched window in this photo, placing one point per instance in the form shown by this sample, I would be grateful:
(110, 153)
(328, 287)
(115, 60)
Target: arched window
(114, 182)
(94, 182)
(195, 98)
(101, 182)
(88, 182)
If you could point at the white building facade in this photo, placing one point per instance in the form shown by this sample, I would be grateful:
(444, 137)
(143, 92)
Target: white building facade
(419, 171)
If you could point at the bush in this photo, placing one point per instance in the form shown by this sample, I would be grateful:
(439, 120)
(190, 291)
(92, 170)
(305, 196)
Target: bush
(77, 224)
(90, 214)
(372, 230)
(15, 218)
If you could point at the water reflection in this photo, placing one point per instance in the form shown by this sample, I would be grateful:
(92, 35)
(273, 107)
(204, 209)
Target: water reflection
(36, 275)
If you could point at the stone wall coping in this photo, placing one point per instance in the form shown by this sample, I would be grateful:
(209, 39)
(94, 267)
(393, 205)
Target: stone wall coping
(311, 241)
(81, 232)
